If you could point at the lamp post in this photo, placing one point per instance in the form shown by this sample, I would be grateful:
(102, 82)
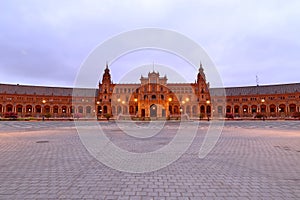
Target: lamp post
(136, 106)
(98, 110)
(207, 103)
(44, 101)
(262, 103)
(169, 108)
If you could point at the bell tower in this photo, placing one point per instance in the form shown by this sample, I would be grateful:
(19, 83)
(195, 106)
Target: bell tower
(106, 79)
(201, 76)
(202, 88)
(105, 91)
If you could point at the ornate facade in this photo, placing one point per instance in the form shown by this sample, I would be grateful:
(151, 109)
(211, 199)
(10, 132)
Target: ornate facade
(152, 98)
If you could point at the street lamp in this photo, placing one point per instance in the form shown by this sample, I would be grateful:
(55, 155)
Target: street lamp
(263, 115)
(43, 101)
(207, 102)
(136, 106)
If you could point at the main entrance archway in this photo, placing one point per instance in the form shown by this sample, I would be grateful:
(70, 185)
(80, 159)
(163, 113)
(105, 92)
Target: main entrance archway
(153, 110)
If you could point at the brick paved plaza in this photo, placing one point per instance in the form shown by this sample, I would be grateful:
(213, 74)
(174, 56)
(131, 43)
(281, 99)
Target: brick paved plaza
(252, 160)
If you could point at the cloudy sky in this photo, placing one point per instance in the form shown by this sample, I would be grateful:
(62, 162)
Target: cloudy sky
(46, 42)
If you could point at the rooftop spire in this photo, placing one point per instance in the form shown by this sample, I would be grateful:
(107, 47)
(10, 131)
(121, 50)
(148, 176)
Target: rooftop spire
(200, 68)
(201, 74)
(106, 75)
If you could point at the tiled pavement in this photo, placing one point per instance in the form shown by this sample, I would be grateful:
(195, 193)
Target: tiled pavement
(252, 160)
(33, 125)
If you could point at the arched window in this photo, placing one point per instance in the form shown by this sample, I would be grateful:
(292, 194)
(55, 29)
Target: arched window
(47, 109)
(64, 109)
(253, 108)
(292, 107)
(80, 109)
(99, 109)
(38, 109)
(104, 109)
(9, 108)
(245, 109)
(28, 108)
(153, 97)
(88, 109)
(55, 109)
(202, 109)
(281, 108)
(19, 108)
(236, 109)
(228, 109)
(263, 108)
(272, 108)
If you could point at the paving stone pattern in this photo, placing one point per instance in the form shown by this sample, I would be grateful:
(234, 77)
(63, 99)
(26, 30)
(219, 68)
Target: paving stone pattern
(252, 160)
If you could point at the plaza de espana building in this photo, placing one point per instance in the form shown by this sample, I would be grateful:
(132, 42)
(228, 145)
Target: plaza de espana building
(152, 98)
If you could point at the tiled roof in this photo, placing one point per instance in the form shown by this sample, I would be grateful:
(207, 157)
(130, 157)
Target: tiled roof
(44, 90)
(263, 89)
(216, 92)
(230, 91)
